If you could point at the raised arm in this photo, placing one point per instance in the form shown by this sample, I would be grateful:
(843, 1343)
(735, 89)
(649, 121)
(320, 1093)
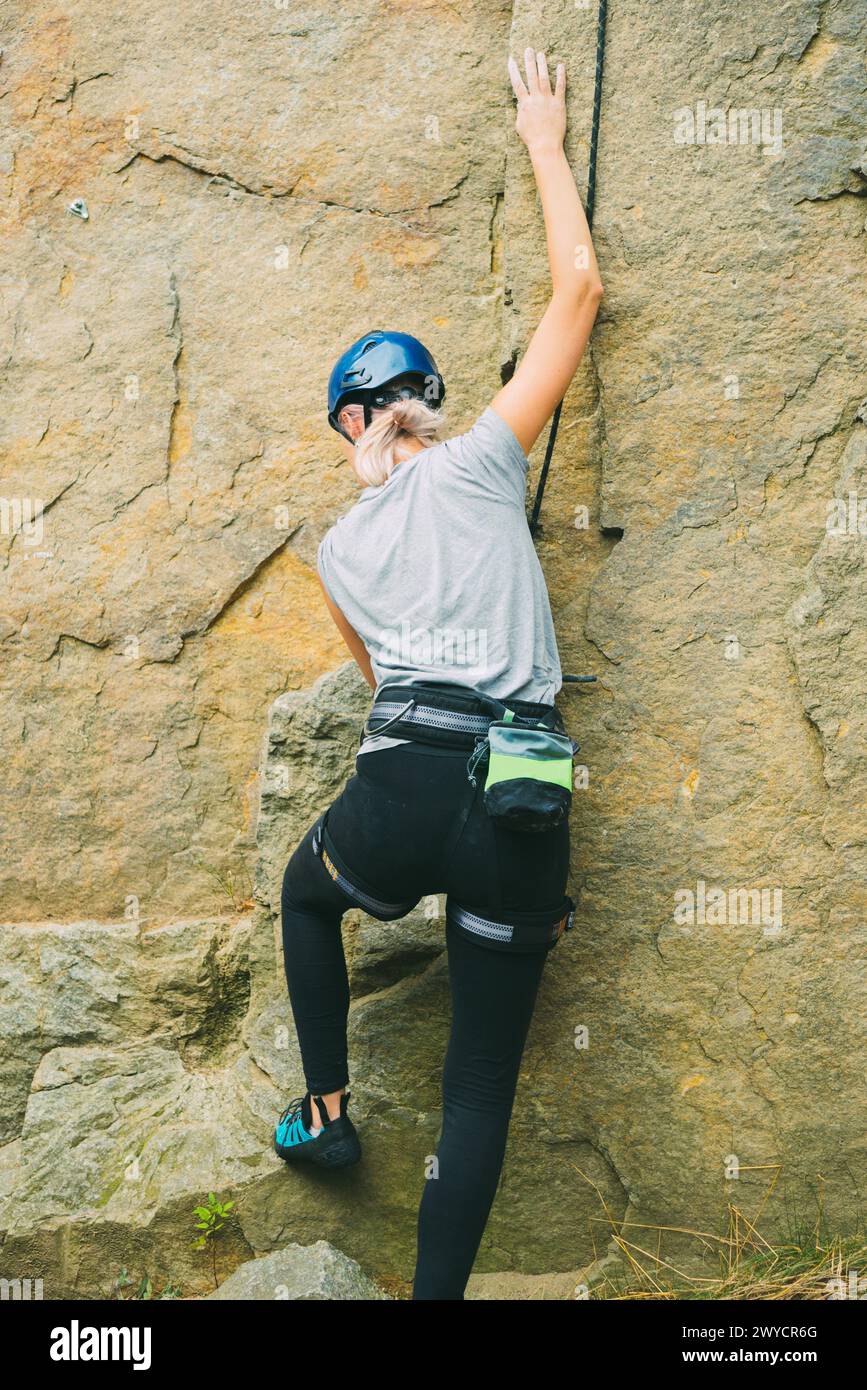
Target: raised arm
(542, 376)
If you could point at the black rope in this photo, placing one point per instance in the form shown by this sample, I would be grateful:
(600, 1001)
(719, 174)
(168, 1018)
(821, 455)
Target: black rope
(589, 204)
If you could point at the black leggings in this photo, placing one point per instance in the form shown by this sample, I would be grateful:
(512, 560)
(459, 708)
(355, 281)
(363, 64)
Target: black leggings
(394, 829)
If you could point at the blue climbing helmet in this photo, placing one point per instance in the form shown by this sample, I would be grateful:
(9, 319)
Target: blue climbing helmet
(369, 370)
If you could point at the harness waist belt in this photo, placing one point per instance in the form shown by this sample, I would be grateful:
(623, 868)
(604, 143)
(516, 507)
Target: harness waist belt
(437, 718)
(448, 714)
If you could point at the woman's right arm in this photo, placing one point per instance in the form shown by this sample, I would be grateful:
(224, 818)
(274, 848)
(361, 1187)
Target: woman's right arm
(543, 375)
(350, 637)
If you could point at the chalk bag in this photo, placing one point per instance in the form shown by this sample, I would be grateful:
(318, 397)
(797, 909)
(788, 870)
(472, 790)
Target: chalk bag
(529, 778)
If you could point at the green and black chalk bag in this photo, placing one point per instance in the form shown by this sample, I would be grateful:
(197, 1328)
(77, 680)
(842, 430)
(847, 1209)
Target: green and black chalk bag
(529, 780)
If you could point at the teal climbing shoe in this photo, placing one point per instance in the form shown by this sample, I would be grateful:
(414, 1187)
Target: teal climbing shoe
(336, 1145)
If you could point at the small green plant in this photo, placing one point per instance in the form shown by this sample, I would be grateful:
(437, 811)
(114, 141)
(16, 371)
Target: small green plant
(123, 1281)
(234, 884)
(211, 1219)
(143, 1291)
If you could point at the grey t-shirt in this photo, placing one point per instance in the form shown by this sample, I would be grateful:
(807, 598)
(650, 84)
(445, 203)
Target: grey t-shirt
(437, 572)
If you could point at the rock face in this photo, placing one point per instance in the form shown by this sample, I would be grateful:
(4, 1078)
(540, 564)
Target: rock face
(143, 1069)
(167, 473)
(127, 1089)
(255, 198)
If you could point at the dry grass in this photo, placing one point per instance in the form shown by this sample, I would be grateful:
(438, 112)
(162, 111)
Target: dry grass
(747, 1265)
(767, 1275)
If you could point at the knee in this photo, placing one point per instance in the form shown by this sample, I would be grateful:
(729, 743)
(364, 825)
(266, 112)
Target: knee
(486, 1090)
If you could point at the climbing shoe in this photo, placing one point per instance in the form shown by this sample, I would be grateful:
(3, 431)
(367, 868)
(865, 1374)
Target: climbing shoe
(335, 1146)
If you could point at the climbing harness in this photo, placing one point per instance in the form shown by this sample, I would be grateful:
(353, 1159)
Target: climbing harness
(426, 717)
(510, 931)
(589, 205)
(528, 783)
(529, 779)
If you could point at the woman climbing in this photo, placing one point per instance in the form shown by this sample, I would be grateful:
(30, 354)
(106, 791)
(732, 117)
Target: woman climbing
(433, 581)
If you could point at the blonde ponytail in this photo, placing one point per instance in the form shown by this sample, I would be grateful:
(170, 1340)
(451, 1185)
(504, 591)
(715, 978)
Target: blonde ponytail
(384, 442)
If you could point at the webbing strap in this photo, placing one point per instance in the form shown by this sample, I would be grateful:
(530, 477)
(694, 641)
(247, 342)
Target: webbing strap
(589, 204)
(481, 926)
(504, 932)
(435, 718)
(375, 906)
